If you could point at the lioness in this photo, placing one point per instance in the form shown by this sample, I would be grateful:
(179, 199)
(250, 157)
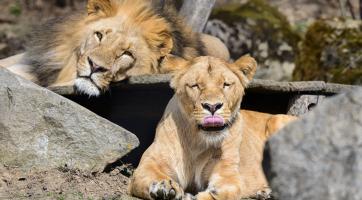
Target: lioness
(204, 144)
(113, 40)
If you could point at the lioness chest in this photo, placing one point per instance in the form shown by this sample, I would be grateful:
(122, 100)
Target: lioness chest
(196, 170)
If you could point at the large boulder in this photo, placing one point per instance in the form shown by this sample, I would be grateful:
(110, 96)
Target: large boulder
(319, 156)
(40, 130)
(331, 51)
(258, 29)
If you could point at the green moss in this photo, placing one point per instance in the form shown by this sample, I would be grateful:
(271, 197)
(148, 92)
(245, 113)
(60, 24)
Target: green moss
(265, 22)
(255, 9)
(331, 51)
(15, 9)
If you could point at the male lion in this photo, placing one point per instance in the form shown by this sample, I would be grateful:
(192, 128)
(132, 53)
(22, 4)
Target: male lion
(206, 145)
(115, 39)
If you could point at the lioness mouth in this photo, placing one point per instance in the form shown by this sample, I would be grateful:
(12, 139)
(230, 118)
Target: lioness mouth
(213, 123)
(213, 129)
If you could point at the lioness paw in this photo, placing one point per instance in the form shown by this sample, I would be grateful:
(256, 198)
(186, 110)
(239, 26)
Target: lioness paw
(264, 194)
(166, 190)
(189, 197)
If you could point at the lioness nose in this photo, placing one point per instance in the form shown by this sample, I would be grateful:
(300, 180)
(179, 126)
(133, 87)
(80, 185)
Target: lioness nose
(212, 107)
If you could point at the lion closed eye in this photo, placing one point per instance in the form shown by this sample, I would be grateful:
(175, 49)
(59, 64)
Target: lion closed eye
(206, 145)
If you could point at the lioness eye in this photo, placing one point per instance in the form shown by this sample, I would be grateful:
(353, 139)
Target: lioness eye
(227, 85)
(195, 86)
(99, 35)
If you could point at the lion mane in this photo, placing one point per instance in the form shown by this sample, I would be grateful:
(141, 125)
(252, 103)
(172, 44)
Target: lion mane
(55, 50)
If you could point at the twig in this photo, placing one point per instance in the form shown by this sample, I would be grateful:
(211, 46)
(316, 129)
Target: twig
(351, 9)
(6, 21)
(342, 5)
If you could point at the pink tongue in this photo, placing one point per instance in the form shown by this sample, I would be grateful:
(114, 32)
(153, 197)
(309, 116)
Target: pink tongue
(213, 121)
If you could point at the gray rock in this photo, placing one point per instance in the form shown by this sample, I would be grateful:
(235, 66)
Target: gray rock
(319, 156)
(40, 130)
(265, 86)
(302, 104)
(259, 29)
(150, 79)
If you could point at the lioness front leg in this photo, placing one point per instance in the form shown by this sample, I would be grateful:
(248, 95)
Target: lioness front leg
(151, 182)
(229, 189)
(225, 182)
(166, 189)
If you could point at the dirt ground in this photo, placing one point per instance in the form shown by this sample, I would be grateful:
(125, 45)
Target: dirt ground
(62, 184)
(17, 19)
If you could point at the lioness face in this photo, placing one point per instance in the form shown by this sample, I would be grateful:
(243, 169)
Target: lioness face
(211, 90)
(119, 42)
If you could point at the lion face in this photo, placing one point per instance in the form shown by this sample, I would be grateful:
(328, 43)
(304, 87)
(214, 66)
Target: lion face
(108, 55)
(123, 39)
(210, 91)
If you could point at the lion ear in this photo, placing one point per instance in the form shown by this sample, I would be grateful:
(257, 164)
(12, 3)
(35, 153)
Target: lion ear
(247, 66)
(105, 7)
(158, 35)
(172, 64)
(167, 45)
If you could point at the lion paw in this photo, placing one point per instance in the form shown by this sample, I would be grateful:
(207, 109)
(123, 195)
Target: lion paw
(264, 194)
(166, 190)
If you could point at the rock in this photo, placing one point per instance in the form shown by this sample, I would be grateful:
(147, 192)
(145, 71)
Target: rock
(319, 156)
(331, 52)
(258, 29)
(10, 45)
(40, 130)
(302, 104)
(260, 85)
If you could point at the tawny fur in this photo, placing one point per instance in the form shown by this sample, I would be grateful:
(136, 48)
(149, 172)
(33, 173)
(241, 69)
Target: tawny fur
(220, 165)
(59, 49)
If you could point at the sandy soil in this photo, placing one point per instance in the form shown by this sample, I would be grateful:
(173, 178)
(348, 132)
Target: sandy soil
(62, 184)
(17, 20)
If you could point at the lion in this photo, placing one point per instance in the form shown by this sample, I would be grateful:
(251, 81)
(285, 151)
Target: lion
(113, 40)
(204, 144)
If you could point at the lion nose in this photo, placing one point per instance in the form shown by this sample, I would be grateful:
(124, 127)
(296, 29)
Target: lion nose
(96, 68)
(212, 107)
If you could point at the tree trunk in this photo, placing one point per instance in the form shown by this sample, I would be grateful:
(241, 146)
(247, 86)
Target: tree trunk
(197, 12)
(360, 9)
(351, 9)
(342, 5)
(61, 3)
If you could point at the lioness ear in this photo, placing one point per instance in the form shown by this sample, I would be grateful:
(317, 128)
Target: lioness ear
(176, 77)
(105, 7)
(247, 66)
(177, 67)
